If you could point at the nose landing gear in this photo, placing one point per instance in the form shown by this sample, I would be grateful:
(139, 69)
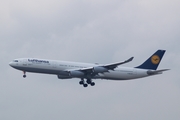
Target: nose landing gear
(24, 76)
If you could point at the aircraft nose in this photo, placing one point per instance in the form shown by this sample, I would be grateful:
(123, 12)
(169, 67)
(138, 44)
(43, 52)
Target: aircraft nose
(11, 64)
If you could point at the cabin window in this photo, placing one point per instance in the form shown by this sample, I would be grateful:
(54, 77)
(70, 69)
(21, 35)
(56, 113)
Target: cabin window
(15, 60)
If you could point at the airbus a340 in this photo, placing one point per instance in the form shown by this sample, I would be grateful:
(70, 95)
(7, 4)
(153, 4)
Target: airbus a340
(89, 71)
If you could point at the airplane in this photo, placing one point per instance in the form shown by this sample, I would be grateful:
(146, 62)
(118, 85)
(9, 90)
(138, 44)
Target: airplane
(89, 71)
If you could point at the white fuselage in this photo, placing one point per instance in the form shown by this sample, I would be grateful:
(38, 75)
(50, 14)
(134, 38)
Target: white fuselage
(58, 68)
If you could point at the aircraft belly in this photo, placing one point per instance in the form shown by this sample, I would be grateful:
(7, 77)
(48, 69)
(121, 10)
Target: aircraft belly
(38, 69)
(116, 75)
(124, 74)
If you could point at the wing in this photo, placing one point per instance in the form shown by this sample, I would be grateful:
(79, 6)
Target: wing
(94, 70)
(112, 66)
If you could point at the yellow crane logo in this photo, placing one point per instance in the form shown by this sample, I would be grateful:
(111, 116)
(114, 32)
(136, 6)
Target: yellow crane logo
(155, 59)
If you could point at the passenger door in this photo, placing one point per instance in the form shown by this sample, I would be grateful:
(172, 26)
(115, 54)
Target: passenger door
(25, 63)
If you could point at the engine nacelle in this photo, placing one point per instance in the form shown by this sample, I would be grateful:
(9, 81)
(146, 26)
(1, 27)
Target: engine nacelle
(76, 74)
(100, 69)
(63, 77)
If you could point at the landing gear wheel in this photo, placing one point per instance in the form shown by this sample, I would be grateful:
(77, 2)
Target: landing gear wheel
(92, 83)
(24, 72)
(85, 85)
(88, 81)
(24, 76)
(81, 82)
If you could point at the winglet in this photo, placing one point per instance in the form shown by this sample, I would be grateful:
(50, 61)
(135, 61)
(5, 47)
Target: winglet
(130, 59)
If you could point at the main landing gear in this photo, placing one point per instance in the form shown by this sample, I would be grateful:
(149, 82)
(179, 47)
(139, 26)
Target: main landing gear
(24, 76)
(89, 81)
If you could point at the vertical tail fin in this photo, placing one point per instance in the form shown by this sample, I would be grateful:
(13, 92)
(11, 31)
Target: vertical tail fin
(153, 61)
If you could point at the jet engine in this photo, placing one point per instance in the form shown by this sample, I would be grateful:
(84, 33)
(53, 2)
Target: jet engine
(100, 69)
(63, 77)
(76, 74)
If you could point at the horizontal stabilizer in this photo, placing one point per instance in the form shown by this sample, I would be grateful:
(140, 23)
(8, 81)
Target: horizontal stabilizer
(150, 72)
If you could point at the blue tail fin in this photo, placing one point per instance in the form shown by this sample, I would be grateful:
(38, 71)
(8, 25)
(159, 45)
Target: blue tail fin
(153, 62)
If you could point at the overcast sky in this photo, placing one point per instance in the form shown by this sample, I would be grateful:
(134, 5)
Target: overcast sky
(100, 31)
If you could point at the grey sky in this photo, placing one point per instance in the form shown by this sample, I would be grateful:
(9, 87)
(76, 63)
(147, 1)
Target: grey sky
(89, 31)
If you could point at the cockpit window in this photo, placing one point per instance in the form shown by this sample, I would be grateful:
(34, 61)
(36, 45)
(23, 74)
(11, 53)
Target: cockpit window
(15, 60)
